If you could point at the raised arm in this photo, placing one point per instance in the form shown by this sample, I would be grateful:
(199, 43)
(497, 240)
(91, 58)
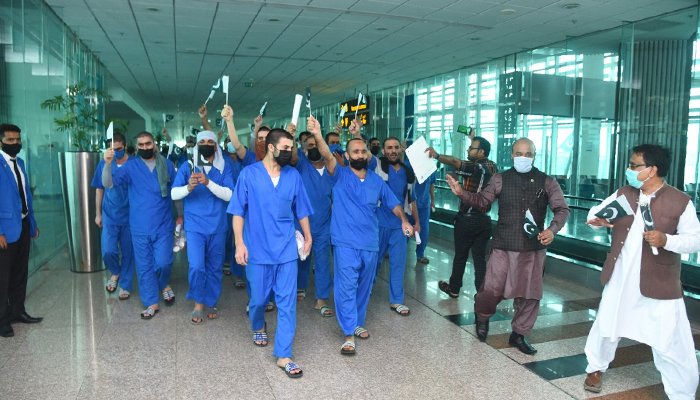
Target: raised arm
(203, 116)
(449, 160)
(227, 115)
(313, 126)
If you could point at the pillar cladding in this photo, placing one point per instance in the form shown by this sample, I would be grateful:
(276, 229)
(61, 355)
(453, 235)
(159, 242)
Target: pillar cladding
(654, 99)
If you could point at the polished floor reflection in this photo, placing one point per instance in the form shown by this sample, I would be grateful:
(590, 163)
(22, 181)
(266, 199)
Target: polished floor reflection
(93, 346)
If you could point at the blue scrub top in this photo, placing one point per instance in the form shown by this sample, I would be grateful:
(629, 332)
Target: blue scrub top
(115, 202)
(182, 159)
(249, 158)
(149, 212)
(354, 219)
(320, 189)
(269, 213)
(398, 184)
(422, 191)
(204, 212)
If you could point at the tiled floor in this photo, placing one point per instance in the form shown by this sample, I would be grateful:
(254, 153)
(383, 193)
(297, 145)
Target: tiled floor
(93, 346)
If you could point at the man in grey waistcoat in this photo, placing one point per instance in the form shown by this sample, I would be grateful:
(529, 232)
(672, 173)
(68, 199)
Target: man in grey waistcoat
(519, 243)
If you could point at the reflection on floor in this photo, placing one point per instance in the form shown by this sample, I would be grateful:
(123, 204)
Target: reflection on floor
(93, 346)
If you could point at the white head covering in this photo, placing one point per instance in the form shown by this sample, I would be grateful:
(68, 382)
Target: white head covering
(218, 157)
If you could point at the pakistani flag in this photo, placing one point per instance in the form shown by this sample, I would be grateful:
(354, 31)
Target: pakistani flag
(200, 161)
(529, 225)
(342, 111)
(308, 99)
(214, 87)
(616, 209)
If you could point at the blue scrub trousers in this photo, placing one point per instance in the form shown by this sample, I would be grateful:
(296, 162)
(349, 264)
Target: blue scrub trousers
(424, 216)
(352, 285)
(116, 239)
(321, 251)
(394, 241)
(282, 278)
(205, 254)
(154, 262)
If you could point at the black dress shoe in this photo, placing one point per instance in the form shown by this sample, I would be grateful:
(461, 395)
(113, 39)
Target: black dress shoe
(7, 331)
(521, 343)
(27, 319)
(482, 329)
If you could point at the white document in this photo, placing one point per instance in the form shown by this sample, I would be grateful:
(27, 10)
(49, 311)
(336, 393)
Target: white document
(418, 241)
(224, 81)
(110, 131)
(297, 107)
(421, 163)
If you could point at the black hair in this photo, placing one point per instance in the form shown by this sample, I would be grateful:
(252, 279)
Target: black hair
(390, 138)
(130, 150)
(275, 135)
(8, 128)
(117, 138)
(373, 139)
(484, 145)
(145, 134)
(329, 134)
(654, 156)
(304, 133)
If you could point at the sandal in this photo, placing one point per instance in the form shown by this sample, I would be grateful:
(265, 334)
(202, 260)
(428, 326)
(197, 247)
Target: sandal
(270, 307)
(325, 311)
(424, 260)
(359, 331)
(149, 312)
(169, 297)
(112, 285)
(239, 283)
(213, 313)
(260, 339)
(301, 294)
(197, 317)
(348, 348)
(402, 310)
(445, 288)
(123, 294)
(289, 367)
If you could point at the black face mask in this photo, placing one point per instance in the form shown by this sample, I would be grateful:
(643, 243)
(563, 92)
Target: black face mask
(206, 150)
(146, 154)
(374, 150)
(12, 149)
(314, 155)
(358, 164)
(283, 157)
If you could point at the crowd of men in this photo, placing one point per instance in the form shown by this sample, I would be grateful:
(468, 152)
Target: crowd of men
(287, 201)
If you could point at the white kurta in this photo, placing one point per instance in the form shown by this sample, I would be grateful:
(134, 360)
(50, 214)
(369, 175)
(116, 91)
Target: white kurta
(623, 311)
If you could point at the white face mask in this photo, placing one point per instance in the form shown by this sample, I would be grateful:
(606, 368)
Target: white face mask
(523, 164)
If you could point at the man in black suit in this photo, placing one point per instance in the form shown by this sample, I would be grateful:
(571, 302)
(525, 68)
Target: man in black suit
(17, 225)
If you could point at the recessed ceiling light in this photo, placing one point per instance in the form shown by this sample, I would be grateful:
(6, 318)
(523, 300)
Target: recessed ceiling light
(152, 9)
(570, 6)
(273, 20)
(507, 11)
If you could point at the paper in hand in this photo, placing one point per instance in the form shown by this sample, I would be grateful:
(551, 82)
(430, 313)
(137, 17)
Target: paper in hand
(423, 166)
(300, 245)
(110, 131)
(224, 81)
(418, 241)
(297, 107)
(616, 209)
(529, 225)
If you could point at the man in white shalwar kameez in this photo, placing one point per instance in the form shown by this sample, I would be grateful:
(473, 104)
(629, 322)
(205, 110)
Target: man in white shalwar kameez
(642, 299)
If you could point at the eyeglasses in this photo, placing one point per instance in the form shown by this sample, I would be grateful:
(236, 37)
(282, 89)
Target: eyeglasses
(635, 166)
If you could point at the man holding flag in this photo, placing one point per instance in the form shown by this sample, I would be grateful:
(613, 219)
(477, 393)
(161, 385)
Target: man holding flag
(516, 264)
(112, 215)
(642, 295)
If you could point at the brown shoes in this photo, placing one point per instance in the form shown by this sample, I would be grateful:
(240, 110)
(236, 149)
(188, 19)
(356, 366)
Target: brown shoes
(594, 382)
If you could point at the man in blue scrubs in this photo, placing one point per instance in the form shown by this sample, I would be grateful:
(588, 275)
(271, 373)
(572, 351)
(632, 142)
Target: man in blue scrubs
(425, 202)
(318, 181)
(149, 179)
(206, 192)
(392, 237)
(112, 215)
(355, 235)
(268, 196)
